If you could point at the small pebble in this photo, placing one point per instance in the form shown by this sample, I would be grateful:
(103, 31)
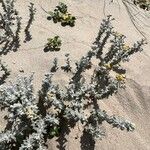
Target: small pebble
(21, 70)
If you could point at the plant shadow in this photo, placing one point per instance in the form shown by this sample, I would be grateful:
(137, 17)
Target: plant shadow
(87, 142)
(47, 49)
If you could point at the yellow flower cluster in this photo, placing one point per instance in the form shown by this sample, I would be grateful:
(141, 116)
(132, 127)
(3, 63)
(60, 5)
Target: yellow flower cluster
(126, 47)
(30, 113)
(108, 66)
(120, 77)
(50, 95)
(117, 34)
(65, 16)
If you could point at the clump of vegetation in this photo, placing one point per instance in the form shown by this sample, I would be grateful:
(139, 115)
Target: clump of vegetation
(55, 65)
(32, 120)
(10, 26)
(61, 14)
(144, 4)
(53, 44)
(67, 67)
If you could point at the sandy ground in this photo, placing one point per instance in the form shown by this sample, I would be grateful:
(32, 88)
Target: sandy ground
(132, 103)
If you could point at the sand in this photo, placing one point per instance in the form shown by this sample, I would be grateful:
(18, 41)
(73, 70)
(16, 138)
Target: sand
(132, 103)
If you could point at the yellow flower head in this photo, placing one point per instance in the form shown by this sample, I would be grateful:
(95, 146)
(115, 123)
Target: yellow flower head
(108, 66)
(50, 95)
(118, 34)
(65, 16)
(30, 113)
(126, 47)
(120, 77)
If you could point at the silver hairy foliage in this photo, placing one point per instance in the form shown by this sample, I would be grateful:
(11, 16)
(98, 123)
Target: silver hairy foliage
(32, 119)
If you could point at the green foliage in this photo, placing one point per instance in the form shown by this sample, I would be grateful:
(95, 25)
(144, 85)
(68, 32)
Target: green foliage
(144, 4)
(55, 131)
(61, 14)
(53, 44)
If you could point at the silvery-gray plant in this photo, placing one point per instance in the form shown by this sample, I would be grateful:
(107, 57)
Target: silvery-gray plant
(10, 26)
(5, 72)
(55, 65)
(32, 120)
(32, 11)
(67, 67)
